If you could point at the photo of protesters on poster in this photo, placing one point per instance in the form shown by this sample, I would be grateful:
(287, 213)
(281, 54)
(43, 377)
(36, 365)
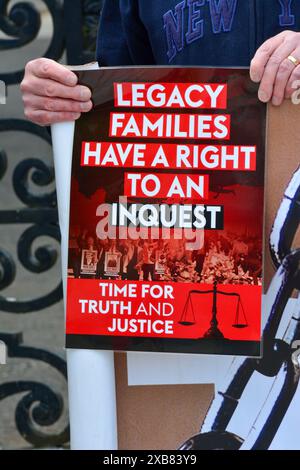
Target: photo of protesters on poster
(112, 264)
(89, 260)
(160, 262)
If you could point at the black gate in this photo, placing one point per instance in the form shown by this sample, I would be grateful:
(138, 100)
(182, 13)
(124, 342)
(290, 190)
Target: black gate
(74, 24)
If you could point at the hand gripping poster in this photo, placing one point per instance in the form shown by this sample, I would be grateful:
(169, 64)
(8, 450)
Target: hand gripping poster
(166, 212)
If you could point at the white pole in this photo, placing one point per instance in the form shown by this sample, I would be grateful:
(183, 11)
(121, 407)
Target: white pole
(92, 396)
(92, 400)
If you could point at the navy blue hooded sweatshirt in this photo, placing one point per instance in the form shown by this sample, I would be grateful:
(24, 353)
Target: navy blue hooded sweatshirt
(190, 32)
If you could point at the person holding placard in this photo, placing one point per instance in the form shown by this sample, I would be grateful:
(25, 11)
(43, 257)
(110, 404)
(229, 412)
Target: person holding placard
(262, 34)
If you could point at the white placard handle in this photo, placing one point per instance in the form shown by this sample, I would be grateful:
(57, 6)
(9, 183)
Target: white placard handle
(91, 376)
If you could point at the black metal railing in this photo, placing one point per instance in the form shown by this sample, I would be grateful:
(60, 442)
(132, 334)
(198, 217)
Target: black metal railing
(74, 32)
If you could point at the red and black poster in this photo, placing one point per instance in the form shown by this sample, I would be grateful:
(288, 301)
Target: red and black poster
(166, 217)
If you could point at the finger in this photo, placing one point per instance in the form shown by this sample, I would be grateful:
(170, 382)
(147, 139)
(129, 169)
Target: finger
(52, 89)
(283, 76)
(262, 56)
(278, 60)
(56, 104)
(47, 68)
(294, 82)
(46, 118)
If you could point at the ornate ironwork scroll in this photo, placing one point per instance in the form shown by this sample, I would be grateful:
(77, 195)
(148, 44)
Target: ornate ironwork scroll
(74, 31)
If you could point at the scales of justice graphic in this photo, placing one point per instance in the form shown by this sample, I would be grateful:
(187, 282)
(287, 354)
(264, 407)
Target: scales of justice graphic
(188, 317)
